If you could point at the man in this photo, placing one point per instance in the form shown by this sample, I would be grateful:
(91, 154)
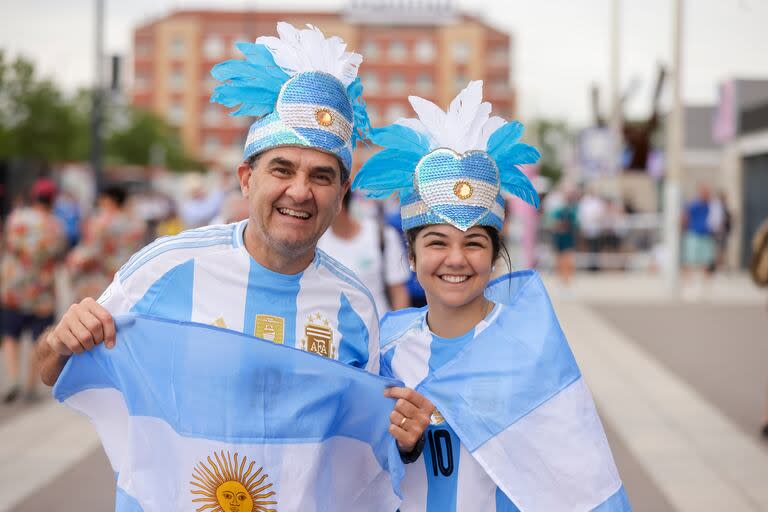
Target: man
(698, 243)
(34, 240)
(372, 250)
(261, 276)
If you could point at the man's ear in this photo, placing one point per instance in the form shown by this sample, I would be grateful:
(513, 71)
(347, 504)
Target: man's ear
(243, 175)
(344, 189)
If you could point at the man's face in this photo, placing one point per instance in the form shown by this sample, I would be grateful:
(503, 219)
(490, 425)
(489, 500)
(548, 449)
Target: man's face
(293, 195)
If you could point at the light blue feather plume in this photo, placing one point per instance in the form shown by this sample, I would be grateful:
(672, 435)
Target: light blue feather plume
(519, 154)
(361, 124)
(386, 172)
(504, 138)
(401, 137)
(261, 57)
(514, 181)
(253, 100)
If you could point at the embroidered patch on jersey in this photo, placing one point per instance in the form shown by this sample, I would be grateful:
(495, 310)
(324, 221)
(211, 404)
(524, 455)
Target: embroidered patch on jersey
(219, 322)
(436, 418)
(318, 336)
(270, 328)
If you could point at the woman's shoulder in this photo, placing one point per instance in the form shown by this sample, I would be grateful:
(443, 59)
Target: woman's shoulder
(394, 324)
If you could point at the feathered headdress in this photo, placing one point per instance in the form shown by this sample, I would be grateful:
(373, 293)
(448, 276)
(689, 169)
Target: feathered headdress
(302, 87)
(450, 167)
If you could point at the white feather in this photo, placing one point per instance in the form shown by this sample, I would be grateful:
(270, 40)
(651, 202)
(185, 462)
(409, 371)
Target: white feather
(296, 51)
(466, 126)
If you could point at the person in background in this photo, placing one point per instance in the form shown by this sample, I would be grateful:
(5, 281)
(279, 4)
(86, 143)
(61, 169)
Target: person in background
(34, 241)
(199, 206)
(698, 243)
(110, 237)
(67, 209)
(591, 213)
(565, 226)
(719, 222)
(372, 250)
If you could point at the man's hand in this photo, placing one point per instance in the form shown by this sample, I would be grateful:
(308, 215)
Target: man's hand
(82, 327)
(410, 417)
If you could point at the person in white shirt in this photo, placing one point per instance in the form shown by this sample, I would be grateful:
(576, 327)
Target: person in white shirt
(373, 251)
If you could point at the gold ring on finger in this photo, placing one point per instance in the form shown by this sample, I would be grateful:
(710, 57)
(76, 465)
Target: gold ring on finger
(402, 421)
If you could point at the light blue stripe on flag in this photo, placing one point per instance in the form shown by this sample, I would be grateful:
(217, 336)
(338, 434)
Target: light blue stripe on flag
(192, 392)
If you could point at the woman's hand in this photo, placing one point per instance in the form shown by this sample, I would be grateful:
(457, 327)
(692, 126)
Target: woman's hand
(410, 417)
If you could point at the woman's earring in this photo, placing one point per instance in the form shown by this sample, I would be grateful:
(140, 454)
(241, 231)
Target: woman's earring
(493, 268)
(410, 266)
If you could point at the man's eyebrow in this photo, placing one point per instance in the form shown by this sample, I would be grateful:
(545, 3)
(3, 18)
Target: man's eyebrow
(324, 168)
(278, 160)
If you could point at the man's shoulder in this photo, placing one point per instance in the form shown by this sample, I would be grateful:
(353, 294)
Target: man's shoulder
(333, 273)
(184, 246)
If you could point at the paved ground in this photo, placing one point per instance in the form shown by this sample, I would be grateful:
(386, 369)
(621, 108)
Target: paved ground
(680, 387)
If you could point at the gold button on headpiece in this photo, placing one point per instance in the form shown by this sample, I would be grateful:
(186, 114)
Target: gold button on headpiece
(462, 189)
(324, 117)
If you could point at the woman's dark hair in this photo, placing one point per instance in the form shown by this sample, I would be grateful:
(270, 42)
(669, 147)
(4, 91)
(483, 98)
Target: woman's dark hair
(498, 247)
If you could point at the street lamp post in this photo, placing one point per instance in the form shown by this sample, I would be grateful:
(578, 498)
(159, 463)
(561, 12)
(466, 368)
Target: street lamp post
(674, 168)
(97, 107)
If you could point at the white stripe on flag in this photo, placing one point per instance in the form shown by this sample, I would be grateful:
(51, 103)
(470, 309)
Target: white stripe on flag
(580, 473)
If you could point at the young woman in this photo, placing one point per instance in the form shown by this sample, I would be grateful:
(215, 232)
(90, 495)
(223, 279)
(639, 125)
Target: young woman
(493, 396)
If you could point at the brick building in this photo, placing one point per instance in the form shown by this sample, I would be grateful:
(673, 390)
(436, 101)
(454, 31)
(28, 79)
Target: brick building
(426, 48)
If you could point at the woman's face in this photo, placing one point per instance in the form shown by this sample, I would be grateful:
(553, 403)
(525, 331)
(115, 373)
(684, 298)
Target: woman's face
(453, 266)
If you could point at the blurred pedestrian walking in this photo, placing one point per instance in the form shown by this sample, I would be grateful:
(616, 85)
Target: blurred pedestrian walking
(34, 240)
(698, 242)
(372, 250)
(109, 239)
(564, 230)
(719, 222)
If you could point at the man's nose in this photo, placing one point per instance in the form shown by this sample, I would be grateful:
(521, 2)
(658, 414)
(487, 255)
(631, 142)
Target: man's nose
(299, 190)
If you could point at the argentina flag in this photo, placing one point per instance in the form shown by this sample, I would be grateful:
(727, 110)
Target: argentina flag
(516, 399)
(199, 418)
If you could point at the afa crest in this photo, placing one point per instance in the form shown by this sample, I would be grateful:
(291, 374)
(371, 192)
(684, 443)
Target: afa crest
(436, 418)
(318, 336)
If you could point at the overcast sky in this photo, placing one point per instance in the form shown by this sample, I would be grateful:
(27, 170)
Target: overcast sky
(561, 46)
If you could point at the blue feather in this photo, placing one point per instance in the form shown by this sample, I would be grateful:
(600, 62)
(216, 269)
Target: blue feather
(254, 101)
(514, 181)
(260, 56)
(242, 73)
(504, 138)
(386, 172)
(361, 124)
(519, 154)
(402, 138)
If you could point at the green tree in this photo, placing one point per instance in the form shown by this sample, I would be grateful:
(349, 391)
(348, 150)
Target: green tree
(36, 121)
(552, 138)
(143, 138)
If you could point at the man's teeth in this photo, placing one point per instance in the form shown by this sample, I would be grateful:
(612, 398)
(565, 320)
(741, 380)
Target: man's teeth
(454, 279)
(293, 213)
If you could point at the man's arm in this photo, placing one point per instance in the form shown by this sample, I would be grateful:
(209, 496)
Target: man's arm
(82, 327)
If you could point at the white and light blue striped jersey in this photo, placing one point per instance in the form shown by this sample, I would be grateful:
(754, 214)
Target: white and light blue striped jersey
(515, 426)
(447, 478)
(206, 275)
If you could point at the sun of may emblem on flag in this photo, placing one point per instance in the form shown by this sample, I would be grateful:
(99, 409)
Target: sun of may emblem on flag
(318, 336)
(223, 486)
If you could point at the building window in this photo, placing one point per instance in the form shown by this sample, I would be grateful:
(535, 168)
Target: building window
(396, 83)
(424, 84)
(460, 82)
(370, 50)
(212, 115)
(370, 82)
(210, 145)
(500, 56)
(213, 47)
(425, 51)
(177, 47)
(397, 51)
(395, 112)
(460, 52)
(176, 80)
(143, 48)
(209, 83)
(142, 82)
(176, 113)
(499, 86)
